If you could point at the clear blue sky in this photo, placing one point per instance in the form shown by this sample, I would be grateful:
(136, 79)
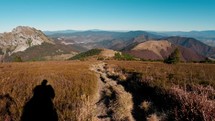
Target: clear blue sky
(157, 15)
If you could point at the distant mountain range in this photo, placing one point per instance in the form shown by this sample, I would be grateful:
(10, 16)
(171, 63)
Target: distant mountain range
(31, 44)
(126, 40)
(207, 37)
(102, 39)
(59, 32)
(209, 34)
(193, 44)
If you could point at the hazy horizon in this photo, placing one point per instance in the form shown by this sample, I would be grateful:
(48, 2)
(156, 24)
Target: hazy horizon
(111, 15)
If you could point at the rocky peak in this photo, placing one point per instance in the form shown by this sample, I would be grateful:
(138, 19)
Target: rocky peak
(21, 38)
(22, 28)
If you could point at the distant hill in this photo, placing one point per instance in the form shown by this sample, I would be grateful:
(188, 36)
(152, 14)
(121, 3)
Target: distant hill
(84, 55)
(207, 37)
(193, 44)
(123, 40)
(59, 32)
(208, 34)
(160, 50)
(75, 46)
(85, 36)
(97, 53)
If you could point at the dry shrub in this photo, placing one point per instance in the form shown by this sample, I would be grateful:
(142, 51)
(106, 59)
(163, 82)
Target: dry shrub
(122, 105)
(8, 108)
(206, 91)
(145, 105)
(153, 117)
(193, 106)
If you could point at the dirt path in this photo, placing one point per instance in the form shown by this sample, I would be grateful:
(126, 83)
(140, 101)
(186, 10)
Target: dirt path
(114, 103)
(122, 97)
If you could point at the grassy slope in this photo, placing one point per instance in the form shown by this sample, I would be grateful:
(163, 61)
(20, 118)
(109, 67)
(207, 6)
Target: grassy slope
(74, 85)
(182, 91)
(166, 74)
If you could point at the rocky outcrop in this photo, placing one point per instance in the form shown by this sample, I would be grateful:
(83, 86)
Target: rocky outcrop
(21, 38)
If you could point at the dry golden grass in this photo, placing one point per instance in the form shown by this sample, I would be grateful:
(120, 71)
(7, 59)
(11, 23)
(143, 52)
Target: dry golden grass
(145, 105)
(122, 106)
(167, 74)
(75, 87)
(187, 88)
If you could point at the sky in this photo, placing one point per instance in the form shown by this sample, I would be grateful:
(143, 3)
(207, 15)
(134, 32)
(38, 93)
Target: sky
(151, 15)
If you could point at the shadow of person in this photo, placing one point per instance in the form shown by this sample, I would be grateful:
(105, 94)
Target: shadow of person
(40, 107)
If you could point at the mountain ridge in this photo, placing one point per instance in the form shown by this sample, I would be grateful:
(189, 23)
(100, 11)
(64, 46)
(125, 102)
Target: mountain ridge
(160, 50)
(193, 44)
(21, 38)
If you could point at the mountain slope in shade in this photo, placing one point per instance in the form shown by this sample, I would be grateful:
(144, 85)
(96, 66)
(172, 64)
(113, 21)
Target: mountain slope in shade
(45, 51)
(159, 50)
(122, 44)
(21, 38)
(193, 44)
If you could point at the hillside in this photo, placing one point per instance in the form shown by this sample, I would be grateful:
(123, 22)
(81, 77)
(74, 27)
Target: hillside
(207, 37)
(45, 51)
(159, 50)
(193, 44)
(70, 42)
(21, 38)
(95, 54)
(87, 54)
(28, 44)
(166, 92)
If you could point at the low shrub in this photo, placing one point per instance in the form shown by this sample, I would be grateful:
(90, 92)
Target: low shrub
(174, 57)
(123, 56)
(89, 53)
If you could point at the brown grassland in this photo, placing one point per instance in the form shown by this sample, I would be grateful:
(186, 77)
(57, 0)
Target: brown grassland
(168, 74)
(72, 81)
(190, 85)
(184, 91)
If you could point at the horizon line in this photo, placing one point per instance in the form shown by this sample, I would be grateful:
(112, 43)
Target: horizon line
(113, 30)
